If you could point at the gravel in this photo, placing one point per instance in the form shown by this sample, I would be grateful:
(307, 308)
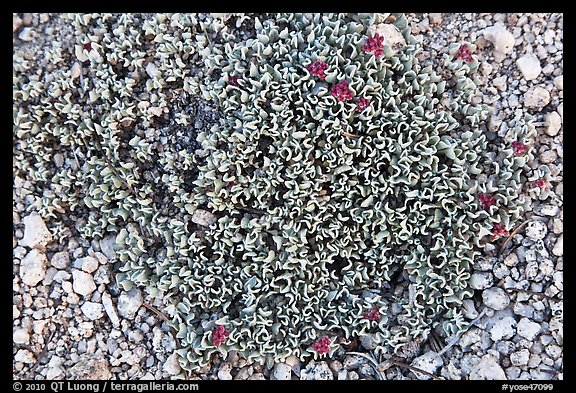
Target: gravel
(72, 321)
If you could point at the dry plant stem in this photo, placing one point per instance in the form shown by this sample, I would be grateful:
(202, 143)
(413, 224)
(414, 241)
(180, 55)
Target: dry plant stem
(462, 332)
(514, 232)
(172, 330)
(375, 365)
(250, 210)
(414, 369)
(155, 311)
(42, 353)
(530, 292)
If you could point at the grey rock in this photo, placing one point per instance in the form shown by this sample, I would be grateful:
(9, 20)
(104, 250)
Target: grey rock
(61, 276)
(83, 283)
(129, 303)
(503, 328)
(536, 98)
(33, 267)
(16, 22)
(317, 371)
(224, 372)
(257, 377)
(435, 18)
(27, 34)
(203, 218)
(36, 234)
(60, 260)
(488, 368)
(536, 230)
(529, 66)
(469, 338)
(92, 310)
(24, 356)
(520, 358)
(547, 210)
(429, 362)
(501, 38)
(352, 362)
(392, 36)
(548, 156)
(553, 123)
(353, 376)
(559, 82)
(281, 372)
(511, 259)
(88, 264)
(94, 368)
(244, 373)
(469, 308)
(513, 373)
(528, 329)
(367, 341)
(523, 310)
(558, 249)
(481, 280)
(495, 298)
(20, 336)
(171, 365)
(107, 247)
(500, 83)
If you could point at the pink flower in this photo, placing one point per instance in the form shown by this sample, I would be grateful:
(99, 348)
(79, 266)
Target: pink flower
(519, 148)
(499, 230)
(219, 335)
(374, 44)
(317, 69)
(322, 345)
(341, 91)
(362, 104)
(540, 182)
(233, 80)
(373, 314)
(464, 53)
(486, 200)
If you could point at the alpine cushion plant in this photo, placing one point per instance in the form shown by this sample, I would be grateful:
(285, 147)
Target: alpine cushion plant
(311, 229)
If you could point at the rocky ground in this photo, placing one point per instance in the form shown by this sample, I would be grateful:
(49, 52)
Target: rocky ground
(70, 321)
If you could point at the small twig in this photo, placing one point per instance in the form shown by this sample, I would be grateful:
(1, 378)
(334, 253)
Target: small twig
(514, 232)
(375, 365)
(530, 292)
(42, 353)
(457, 338)
(415, 369)
(347, 134)
(155, 310)
(172, 330)
(250, 210)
